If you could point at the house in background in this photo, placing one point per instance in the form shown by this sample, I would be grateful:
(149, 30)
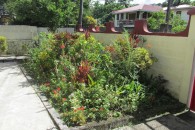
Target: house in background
(126, 17)
(181, 10)
(4, 16)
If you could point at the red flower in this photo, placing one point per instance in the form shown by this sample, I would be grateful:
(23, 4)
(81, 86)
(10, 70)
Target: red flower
(87, 34)
(58, 89)
(55, 92)
(110, 48)
(101, 109)
(47, 84)
(64, 99)
(63, 79)
(62, 46)
(83, 71)
(137, 40)
(80, 109)
(65, 69)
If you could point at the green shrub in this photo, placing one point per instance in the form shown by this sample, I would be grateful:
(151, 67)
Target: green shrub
(3, 44)
(90, 20)
(88, 81)
(178, 24)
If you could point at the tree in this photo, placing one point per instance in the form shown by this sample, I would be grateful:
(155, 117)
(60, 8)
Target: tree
(158, 18)
(109, 1)
(185, 1)
(126, 3)
(2, 2)
(104, 12)
(46, 13)
(193, 3)
(80, 13)
(178, 24)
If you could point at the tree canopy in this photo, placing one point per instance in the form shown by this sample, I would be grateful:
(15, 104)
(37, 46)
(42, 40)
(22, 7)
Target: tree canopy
(103, 12)
(46, 13)
(158, 18)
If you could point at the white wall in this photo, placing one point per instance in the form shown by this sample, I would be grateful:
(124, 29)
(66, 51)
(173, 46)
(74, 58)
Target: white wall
(21, 37)
(44, 29)
(18, 32)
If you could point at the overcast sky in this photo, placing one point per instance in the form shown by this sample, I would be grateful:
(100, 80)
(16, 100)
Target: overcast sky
(140, 1)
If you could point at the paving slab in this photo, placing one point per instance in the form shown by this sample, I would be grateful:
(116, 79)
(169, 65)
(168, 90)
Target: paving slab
(168, 122)
(20, 107)
(189, 117)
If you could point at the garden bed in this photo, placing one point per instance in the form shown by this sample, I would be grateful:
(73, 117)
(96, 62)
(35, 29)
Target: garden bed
(87, 81)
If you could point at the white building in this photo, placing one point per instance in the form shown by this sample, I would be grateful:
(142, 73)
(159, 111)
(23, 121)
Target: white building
(181, 10)
(127, 16)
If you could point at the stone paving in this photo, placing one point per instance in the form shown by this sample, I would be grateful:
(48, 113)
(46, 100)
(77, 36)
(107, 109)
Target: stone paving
(167, 122)
(20, 107)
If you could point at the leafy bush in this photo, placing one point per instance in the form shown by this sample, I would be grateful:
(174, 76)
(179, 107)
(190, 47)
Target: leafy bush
(3, 44)
(158, 18)
(88, 81)
(178, 24)
(90, 20)
(44, 13)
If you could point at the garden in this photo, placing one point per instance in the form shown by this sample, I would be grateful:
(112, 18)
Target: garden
(87, 81)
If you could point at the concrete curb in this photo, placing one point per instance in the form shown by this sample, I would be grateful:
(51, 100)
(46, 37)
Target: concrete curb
(12, 58)
(55, 116)
(105, 125)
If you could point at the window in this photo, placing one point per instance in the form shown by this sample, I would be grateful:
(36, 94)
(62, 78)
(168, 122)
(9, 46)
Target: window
(138, 14)
(126, 16)
(178, 13)
(122, 16)
(117, 17)
(132, 16)
(145, 15)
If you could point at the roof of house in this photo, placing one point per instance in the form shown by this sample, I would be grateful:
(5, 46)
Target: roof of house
(185, 6)
(141, 7)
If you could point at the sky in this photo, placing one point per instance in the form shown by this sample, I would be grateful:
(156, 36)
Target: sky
(140, 1)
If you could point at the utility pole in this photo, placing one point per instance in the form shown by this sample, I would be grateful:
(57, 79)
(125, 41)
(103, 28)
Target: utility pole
(168, 15)
(80, 13)
(170, 3)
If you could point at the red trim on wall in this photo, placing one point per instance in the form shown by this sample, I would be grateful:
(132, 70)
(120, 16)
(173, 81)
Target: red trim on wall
(192, 104)
(92, 28)
(79, 28)
(141, 28)
(191, 12)
(110, 28)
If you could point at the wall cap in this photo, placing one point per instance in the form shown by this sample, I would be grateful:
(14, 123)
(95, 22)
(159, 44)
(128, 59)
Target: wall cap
(191, 11)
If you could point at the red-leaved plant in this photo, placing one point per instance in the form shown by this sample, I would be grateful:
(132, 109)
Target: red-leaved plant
(82, 72)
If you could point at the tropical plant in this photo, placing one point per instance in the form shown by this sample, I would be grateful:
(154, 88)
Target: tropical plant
(86, 80)
(3, 44)
(158, 18)
(46, 13)
(178, 24)
(89, 20)
(104, 12)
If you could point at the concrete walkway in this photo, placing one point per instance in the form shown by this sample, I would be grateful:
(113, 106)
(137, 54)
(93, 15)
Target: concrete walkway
(20, 107)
